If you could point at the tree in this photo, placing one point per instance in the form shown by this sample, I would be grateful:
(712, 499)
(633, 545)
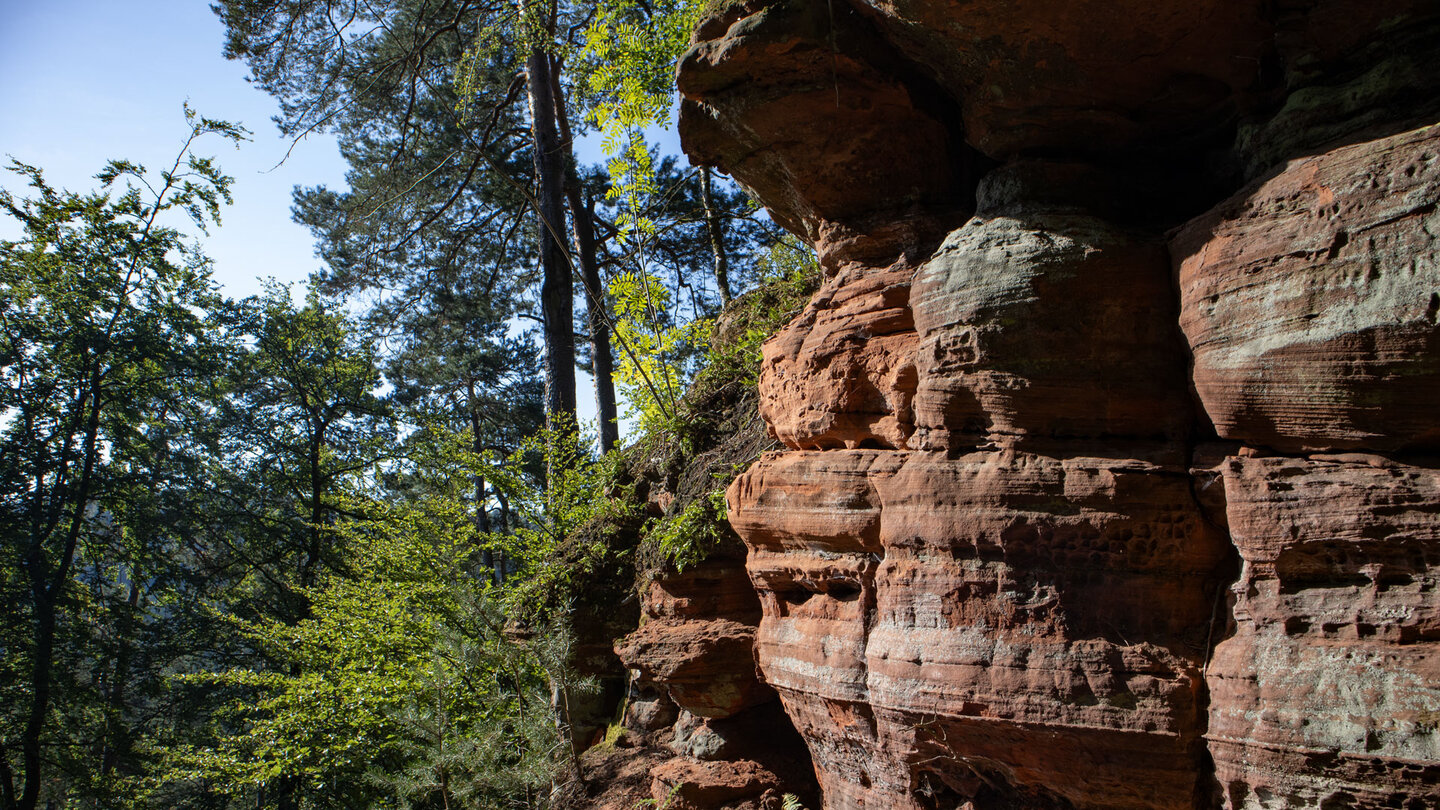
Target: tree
(384, 78)
(303, 426)
(103, 318)
(455, 366)
(400, 687)
(664, 301)
(630, 52)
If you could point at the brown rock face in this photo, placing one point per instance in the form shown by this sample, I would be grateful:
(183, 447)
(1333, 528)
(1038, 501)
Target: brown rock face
(841, 375)
(1310, 301)
(1005, 561)
(1328, 693)
(1091, 76)
(949, 609)
(759, 74)
(1352, 69)
(697, 639)
(1043, 325)
(731, 746)
(686, 785)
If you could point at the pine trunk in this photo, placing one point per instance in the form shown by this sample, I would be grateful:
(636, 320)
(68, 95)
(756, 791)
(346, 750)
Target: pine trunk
(556, 287)
(597, 320)
(716, 229)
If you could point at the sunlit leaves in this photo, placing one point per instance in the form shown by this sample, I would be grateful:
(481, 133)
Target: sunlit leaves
(659, 356)
(400, 686)
(631, 49)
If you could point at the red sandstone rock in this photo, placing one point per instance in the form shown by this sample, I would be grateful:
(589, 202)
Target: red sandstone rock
(714, 588)
(840, 374)
(706, 665)
(1310, 301)
(1349, 67)
(797, 101)
(799, 501)
(687, 785)
(1030, 626)
(1082, 76)
(696, 648)
(1012, 599)
(1036, 325)
(1328, 693)
(698, 638)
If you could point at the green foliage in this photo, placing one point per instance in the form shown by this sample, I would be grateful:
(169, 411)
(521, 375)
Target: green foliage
(108, 339)
(364, 597)
(548, 544)
(688, 537)
(401, 682)
(788, 277)
(657, 356)
(631, 49)
(299, 434)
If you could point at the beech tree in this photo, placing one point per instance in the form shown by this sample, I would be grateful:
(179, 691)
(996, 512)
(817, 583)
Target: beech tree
(104, 321)
(399, 687)
(301, 424)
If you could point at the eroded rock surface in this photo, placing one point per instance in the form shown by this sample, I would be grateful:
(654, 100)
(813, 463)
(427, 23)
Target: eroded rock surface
(1328, 693)
(1310, 301)
(696, 642)
(1091, 76)
(841, 375)
(1037, 325)
(954, 606)
(1035, 540)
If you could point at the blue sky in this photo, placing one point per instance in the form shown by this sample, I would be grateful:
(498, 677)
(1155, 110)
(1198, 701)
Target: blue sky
(87, 81)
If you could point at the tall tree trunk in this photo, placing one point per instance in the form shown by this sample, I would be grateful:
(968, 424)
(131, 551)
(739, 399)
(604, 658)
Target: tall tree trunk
(45, 610)
(716, 229)
(311, 563)
(482, 510)
(115, 739)
(556, 286)
(582, 217)
(288, 793)
(7, 780)
(598, 320)
(504, 528)
(45, 588)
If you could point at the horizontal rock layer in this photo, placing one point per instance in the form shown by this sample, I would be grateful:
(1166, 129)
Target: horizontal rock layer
(1310, 301)
(984, 598)
(1328, 693)
(1034, 542)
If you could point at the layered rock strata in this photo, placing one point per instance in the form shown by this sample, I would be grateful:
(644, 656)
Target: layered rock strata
(1309, 302)
(1328, 693)
(1101, 490)
(696, 686)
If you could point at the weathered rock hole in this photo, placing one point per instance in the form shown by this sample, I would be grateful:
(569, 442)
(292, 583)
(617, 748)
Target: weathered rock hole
(796, 596)
(934, 793)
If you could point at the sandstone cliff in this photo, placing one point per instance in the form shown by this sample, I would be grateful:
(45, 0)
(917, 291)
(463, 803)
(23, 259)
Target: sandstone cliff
(1110, 471)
